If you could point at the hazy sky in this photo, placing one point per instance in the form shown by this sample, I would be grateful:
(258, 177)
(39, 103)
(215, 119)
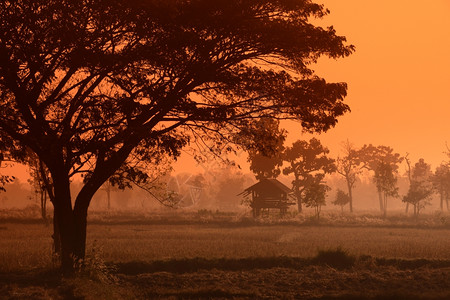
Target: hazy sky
(398, 78)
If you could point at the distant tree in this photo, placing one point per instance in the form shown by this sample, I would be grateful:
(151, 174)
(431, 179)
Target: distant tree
(408, 174)
(377, 159)
(342, 199)
(421, 188)
(107, 188)
(385, 180)
(266, 160)
(314, 195)
(350, 167)
(149, 177)
(93, 86)
(4, 179)
(309, 163)
(441, 183)
(40, 181)
(227, 183)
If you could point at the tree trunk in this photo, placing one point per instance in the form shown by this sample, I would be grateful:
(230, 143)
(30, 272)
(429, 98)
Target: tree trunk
(80, 219)
(318, 209)
(65, 222)
(385, 206)
(380, 198)
(350, 196)
(298, 195)
(407, 207)
(108, 196)
(56, 237)
(72, 223)
(44, 205)
(441, 193)
(80, 212)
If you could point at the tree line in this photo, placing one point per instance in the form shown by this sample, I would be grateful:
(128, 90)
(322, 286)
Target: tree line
(308, 162)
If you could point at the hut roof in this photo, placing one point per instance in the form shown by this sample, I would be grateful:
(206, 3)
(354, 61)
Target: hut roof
(265, 184)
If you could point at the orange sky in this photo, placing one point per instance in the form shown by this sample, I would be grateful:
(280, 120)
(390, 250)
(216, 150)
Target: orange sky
(399, 77)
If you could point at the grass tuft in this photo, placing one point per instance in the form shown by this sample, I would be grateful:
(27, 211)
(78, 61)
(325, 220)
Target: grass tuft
(336, 258)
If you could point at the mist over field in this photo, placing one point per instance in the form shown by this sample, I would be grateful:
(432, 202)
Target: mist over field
(215, 190)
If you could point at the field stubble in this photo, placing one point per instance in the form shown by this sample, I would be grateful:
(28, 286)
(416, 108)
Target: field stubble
(222, 261)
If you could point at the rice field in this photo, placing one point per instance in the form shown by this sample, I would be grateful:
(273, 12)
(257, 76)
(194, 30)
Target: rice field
(270, 260)
(144, 243)
(29, 245)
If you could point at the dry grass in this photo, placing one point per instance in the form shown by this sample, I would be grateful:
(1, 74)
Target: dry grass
(246, 260)
(158, 242)
(27, 246)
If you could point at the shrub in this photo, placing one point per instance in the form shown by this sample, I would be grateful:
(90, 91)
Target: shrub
(336, 258)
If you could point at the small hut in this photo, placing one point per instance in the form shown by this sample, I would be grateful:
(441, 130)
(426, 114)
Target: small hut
(267, 194)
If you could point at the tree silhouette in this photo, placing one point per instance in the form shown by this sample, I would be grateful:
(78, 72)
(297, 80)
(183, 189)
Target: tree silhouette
(6, 156)
(342, 199)
(350, 167)
(315, 194)
(441, 183)
(309, 164)
(40, 181)
(92, 86)
(386, 182)
(377, 159)
(421, 187)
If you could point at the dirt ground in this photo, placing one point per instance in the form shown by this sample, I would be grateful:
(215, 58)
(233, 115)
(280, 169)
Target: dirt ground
(302, 280)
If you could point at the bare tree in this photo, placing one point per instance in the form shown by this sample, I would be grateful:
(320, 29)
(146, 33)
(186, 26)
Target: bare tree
(350, 167)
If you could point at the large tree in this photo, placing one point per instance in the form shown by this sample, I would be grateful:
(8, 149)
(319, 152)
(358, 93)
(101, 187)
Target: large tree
(92, 86)
(309, 163)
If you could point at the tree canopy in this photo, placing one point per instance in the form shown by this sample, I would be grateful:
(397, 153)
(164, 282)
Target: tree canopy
(265, 160)
(93, 86)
